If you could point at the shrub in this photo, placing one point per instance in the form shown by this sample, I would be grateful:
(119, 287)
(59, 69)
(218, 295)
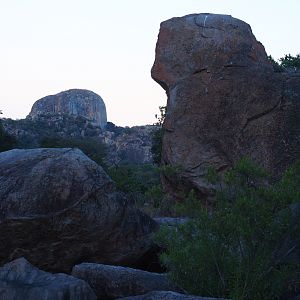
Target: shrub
(7, 141)
(286, 62)
(92, 147)
(140, 182)
(157, 136)
(241, 250)
(289, 61)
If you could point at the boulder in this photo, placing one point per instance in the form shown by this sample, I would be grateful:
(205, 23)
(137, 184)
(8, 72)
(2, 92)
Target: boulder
(111, 282)
(224, 101)
(75, 102)
(167, 295)
(59, 208)
(20, 280)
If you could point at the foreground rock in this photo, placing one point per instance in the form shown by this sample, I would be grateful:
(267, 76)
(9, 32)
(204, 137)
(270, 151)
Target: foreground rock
(20, 280)
(59, 208)
(224, 101)
(111, 282)
(168, 295)
(75, 102)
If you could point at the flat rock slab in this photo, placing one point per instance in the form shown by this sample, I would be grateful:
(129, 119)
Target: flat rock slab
(167, 295)
(19, 280)
(111, 282)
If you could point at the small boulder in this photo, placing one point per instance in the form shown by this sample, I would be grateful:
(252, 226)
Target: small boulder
(20, 280)
(111, 282)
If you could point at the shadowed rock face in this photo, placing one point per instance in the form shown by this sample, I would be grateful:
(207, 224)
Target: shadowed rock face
(73, 102)
(224, 100)
(59, 208)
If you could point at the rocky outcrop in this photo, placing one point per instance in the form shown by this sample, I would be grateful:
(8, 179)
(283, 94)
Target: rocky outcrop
(224, 101)
(73, 102)
(59, 208)
(125, 145)
(20, 280)
(167, 295)
(111, 282)
(132, 145)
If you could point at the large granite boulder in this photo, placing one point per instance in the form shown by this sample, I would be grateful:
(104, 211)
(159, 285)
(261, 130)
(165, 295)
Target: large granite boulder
(111, 282)
(224, 101)
(59, 208)
(75, 102)
(20, 280)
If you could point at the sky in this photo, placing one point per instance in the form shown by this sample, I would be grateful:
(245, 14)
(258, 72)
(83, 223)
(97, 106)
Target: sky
(47, 46)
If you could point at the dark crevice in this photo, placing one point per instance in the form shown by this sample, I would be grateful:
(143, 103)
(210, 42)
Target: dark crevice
(257, 116)
(200, 70)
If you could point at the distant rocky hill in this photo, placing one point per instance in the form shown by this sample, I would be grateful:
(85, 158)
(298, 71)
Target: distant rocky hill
(81, 114)
(75, 102)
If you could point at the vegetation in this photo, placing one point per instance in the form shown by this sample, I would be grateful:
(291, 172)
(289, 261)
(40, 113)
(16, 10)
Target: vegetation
(158, 135)
(287, 62)
(140, 182)
(243, 249)
(7, 141)
(92, 147)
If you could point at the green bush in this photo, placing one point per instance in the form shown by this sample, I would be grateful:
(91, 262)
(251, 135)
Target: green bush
(157, 136)
(241, 250)
(7, 141)
(140, 182)
(156, 148)
(92, 147)
(289, 61)
(286, 62)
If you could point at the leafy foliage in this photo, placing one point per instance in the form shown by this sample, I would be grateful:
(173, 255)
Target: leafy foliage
(156, 148)
(289, 61)
(92, 147)
(157, 137)
(286, 62)
(140, 182)
(242, 250)
(7, 141)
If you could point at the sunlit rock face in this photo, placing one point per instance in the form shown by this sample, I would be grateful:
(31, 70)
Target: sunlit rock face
(75, 102)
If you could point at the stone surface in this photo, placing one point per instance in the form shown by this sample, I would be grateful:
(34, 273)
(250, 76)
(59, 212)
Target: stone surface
(73, 102)
(125, 145)
(131, 146)
(167, 295)
(111, 282)
(224, 101)
(59, 208)
(20, 280)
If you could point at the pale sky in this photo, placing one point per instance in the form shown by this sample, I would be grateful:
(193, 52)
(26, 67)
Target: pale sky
(48, 46)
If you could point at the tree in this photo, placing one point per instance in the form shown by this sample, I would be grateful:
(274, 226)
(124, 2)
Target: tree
(243, 250)
(286, 62)
(7, 141)
(289, 61)
(92, 147)
(157, 136)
